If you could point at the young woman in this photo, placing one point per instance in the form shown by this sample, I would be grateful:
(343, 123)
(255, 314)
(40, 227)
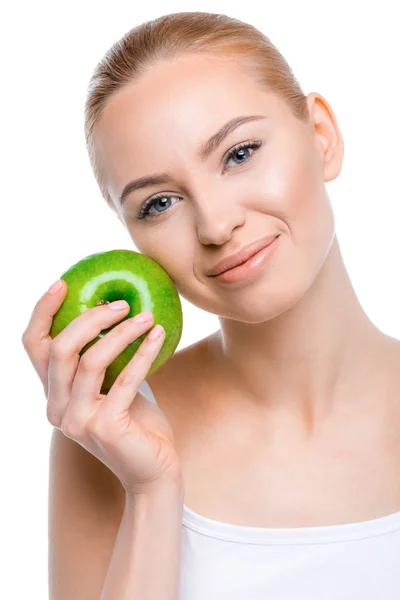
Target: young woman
(263, 460)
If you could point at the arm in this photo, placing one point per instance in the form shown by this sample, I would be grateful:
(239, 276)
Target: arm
(87, 504)
(146, 560)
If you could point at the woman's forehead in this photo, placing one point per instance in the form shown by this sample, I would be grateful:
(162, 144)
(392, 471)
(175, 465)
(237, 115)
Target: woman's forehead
(185, 95)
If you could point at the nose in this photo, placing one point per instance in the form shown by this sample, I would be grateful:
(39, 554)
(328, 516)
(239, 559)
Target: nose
(216, 218)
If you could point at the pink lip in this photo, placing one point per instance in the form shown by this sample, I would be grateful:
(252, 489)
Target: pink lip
(242, 256)
(252, 266)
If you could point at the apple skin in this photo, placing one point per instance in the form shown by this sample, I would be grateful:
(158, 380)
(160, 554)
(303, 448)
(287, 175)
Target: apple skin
(104, 277)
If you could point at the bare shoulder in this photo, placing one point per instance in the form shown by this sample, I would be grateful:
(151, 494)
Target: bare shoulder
(178, 369)
(394, 361)
(179, 378)
(392, 376)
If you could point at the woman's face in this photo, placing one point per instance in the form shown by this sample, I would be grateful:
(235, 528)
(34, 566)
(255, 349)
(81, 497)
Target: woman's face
(217, 204)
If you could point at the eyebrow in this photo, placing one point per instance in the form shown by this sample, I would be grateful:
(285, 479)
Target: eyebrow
(204, 152)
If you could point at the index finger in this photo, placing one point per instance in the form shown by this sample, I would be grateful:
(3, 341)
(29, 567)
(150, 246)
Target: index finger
(36, 337)
(42, 315)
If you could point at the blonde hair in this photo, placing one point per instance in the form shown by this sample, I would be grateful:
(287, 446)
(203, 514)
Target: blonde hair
(174, 35)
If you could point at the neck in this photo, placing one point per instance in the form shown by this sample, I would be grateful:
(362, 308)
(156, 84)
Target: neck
(321, 354)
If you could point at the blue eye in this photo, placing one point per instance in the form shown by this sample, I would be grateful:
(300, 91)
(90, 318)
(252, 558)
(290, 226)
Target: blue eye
(144, 211)
(240, 149)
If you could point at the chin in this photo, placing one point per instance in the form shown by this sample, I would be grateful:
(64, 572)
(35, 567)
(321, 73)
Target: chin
(276, 290)
(264, 301)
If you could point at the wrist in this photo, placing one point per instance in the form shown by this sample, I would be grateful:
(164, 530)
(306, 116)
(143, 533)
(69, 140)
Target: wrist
(168, 488)
(156, 504)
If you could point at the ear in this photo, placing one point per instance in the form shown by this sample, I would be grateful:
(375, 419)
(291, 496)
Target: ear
(327, 136)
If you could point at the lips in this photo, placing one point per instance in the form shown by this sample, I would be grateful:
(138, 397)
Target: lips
(242, 256)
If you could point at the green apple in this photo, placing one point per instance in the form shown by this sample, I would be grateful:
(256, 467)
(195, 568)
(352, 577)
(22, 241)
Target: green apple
(104, 277)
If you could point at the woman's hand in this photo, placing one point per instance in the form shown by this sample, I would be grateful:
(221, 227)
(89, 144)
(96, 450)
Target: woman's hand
(122, 428)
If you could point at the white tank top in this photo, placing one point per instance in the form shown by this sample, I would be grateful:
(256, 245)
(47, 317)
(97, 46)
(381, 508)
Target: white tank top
(355, 561)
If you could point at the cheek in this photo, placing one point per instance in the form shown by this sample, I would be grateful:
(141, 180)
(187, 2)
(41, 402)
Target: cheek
(314, 222)
(173, 256)
(296, 197)
(300, 199)
(315, 233)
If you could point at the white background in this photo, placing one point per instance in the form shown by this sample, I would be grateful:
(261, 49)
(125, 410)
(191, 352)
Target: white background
(54, 215)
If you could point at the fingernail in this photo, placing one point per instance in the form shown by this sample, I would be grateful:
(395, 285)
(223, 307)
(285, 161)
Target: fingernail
(55, 287)
(118, 305)
(143, 317)
(156, 332)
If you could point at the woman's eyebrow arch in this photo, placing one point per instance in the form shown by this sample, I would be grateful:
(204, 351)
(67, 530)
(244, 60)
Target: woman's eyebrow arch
(206, 149)
(215, 140)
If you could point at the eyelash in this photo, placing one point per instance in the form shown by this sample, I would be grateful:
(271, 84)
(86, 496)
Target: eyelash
(144, 210)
